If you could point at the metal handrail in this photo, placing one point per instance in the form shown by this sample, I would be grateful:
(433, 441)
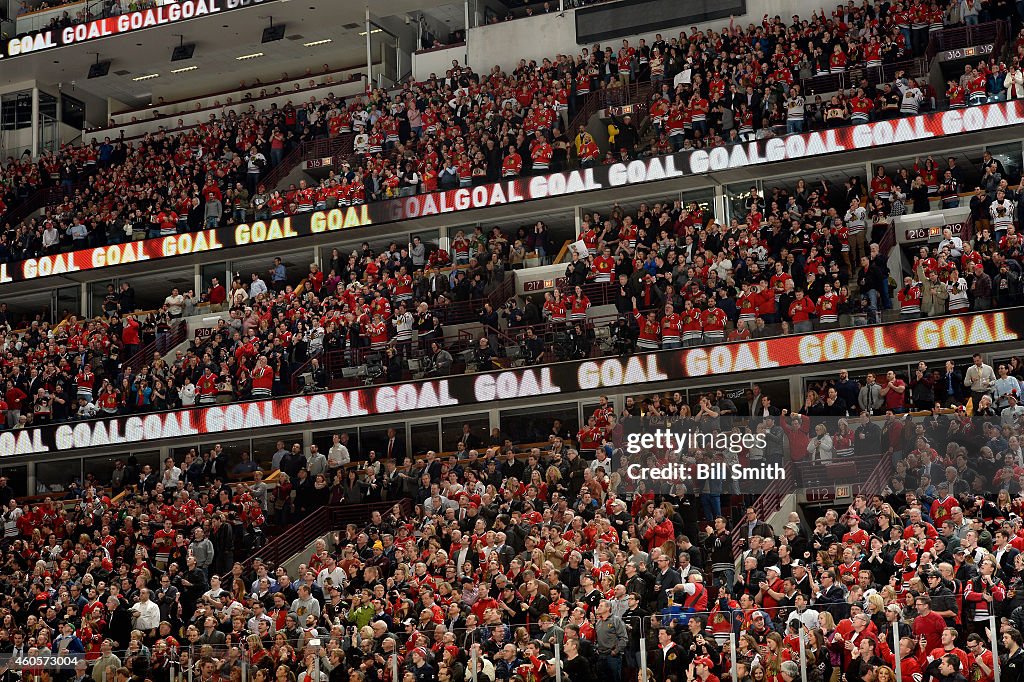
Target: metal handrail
(767, 503)
(162, 344)
(832, 82)
(955, 37)
(317, 524)
(32, 203)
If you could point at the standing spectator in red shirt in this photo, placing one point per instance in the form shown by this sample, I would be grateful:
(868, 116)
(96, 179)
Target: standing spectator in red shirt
(800, 311)
(217, 296)
(130, 336)
(797, 428)
(928, 625)
(658, 529)
(207, 387)
(892, 392)
(14, 396)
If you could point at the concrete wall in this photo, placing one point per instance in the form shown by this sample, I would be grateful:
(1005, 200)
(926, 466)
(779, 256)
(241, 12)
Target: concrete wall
(549, 35)
(436, 61)
(531, 37)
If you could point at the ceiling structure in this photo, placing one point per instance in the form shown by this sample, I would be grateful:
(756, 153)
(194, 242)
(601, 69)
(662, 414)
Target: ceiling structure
(219, 40)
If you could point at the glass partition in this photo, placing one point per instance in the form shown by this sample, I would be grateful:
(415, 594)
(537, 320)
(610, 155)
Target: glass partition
(17, 478)
(534, 425)
(56, 477)
(425, 436)
(263, 448)
(452, 430)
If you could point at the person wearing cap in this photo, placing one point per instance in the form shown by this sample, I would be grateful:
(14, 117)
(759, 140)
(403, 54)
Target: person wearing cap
(795, 543)
(802, 578)
(422, 671)
(700, 669)
(895, 625)
(1011, 414)
(450, 658)
(550, 632)
(771, 588)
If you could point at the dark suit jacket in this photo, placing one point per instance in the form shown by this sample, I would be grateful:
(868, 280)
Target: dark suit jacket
(760, 528)
(438, 284)
(215, 638)
(1006, 565)
(471, 440)
(148, 484)
(223, 539)
(398, 450)
(506, 554)
(833, 600)
(119, 627)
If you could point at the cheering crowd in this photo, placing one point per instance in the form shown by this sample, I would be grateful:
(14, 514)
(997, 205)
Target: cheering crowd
(804, 257)
(466, 128)
(505, 560)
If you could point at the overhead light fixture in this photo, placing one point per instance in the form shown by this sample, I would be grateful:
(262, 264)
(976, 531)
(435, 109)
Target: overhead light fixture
(254, 55)
(376, 30)
(319, 42)
(147, 77)
(184, 69)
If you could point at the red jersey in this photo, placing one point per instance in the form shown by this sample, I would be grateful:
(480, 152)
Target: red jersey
(556, 309)
(670, 326)
(801, 310)
(650, 332)
(542, 154)
(713, 321)
(603, 267)
(512, 165)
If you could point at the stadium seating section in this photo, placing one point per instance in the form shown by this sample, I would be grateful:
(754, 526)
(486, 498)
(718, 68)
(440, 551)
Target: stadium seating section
(503, 559)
